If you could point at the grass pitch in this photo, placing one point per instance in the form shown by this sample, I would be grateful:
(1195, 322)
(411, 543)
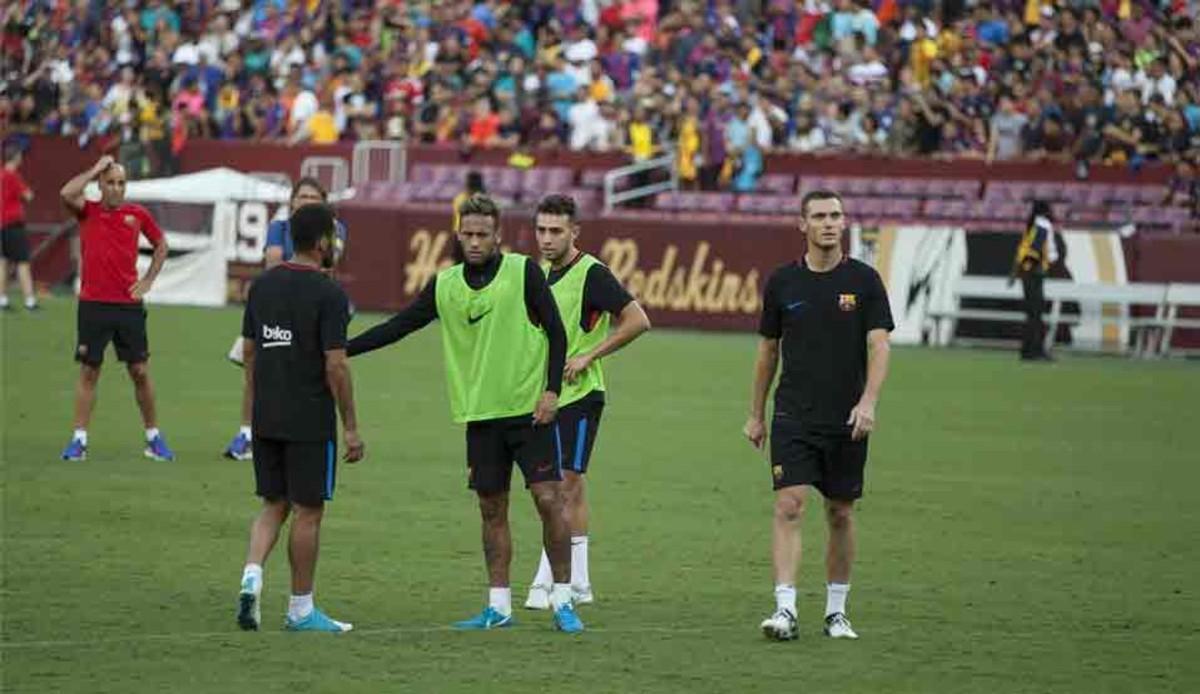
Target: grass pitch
(1026, 528)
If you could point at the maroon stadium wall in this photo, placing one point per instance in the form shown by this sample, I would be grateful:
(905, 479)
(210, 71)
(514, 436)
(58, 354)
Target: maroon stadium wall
(698, 271)
(53, 160)
(687, 273)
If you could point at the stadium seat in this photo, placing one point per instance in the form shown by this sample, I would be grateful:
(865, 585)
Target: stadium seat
(558, 178)
(422, 173)
(961, 188)
(905, 187)
(779, 184)
(507, 180)
(901, 209)
(593, 178)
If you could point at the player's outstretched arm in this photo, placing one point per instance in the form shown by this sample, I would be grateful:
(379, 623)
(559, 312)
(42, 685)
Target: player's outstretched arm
(632, 321)
(765, 365)
(419, 314)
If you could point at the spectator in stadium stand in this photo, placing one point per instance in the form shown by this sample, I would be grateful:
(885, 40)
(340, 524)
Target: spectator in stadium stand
(688, 146)
(744, 163)
(438, 58)
(14, 242)
(1184, 187)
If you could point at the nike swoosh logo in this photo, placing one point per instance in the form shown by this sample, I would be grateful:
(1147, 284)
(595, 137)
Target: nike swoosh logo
(475, 319)
(794, 305)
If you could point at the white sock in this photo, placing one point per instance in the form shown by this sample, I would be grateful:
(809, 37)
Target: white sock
(30, 301)
(253, 572)
(579, 563)
(544, 577)
(785, 597)
(300, 606)
(500, 600)
(245, 431)
(3, 300)
(560, 595)
(835, 598)
(151, 433)
(80, 435)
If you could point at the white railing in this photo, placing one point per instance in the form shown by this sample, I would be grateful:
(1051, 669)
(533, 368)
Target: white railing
(612, 197)
(332, 172)
(367, 152)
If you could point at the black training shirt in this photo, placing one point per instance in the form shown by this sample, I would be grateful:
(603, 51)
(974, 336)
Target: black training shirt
(822, 319)
(294, 314)
(602, 293)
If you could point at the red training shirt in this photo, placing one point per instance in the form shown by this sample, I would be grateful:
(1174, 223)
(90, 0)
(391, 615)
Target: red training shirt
(109, 242)
(12, 206)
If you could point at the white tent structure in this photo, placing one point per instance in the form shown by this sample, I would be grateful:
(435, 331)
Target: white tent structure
(242, 205)
(209, 186)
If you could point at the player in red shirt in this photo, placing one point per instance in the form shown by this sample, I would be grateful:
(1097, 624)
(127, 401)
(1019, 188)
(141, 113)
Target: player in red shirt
(14, 193)
(110, 300)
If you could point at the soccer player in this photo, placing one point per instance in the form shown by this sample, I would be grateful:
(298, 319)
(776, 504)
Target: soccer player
(307, 191)
(296, 369)
(504, 349)
(110, 300)
(588, 295)
(14, 244)
(831, 314)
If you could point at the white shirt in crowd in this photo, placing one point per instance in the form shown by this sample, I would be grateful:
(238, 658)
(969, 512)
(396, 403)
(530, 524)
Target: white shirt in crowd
(303, 108)
(1149, 86)
(867, 73)
(188, 53)
(589, 129)
(124, 40)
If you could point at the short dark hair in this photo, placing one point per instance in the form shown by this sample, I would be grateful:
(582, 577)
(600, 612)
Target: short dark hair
(480, 205)
(812, 195)
(475, 182)
(309, 224)
(557, 204)
(309, 182)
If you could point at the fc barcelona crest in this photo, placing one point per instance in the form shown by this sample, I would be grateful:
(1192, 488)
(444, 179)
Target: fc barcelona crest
(847, 302)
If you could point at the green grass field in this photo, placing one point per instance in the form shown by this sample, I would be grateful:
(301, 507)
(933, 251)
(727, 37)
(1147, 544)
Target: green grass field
(1025, 529)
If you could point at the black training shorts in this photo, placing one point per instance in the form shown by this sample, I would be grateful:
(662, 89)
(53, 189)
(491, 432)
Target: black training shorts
(303, 472)
(578, 425)
(494, 445)
(122, 324)
(14, 243)
(827, 460)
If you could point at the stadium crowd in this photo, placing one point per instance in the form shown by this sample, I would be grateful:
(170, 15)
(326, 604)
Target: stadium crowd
(718, 82)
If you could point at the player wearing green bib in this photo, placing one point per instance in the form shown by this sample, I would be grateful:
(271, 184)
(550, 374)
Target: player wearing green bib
(504, 351)
(588, 295)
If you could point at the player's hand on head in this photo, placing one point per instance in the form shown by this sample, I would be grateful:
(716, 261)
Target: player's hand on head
(862, 420)
(356, 450)
(547, 408)
(755, 432)
(104, 162)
